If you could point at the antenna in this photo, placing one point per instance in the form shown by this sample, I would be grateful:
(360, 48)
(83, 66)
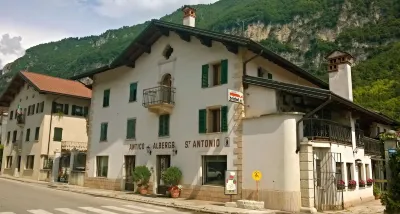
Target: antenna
(242, 23)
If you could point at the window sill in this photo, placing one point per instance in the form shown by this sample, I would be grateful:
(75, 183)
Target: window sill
(103, 141)
(130, 139)
(45, 169)
(215, 186)
(28, 169)
(133, 101)
(163, 137)
(211, 133)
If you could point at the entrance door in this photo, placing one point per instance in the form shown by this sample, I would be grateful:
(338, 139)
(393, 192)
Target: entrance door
(163, 163)
(64, 168)
(19, 162)
(129, 167)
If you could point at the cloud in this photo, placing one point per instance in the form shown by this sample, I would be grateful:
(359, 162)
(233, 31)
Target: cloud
(11, 45)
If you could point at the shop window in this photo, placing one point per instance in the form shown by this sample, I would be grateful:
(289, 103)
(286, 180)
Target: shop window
(102, 166)
(214, 167)
(79, 162)
(8, 162)
(46, 162)
(29, 161)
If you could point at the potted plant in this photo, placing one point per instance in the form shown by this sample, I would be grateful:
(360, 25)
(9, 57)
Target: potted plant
(141, 176)
(352, 184)
(341, 185)
(172, 176)
(376, 192)
(361, 183)
(370, 182)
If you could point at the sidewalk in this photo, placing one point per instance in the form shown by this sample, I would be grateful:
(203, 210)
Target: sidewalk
(180, 203)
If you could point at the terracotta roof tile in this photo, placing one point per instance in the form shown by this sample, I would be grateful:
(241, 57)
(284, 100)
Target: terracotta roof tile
(57, 85)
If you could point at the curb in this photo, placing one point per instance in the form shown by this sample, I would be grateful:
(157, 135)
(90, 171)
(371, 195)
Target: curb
(23, 181)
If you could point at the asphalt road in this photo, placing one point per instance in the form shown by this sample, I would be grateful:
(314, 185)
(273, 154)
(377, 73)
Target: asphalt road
(24, 198)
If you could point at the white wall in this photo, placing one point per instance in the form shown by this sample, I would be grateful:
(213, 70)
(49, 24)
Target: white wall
(185, 67)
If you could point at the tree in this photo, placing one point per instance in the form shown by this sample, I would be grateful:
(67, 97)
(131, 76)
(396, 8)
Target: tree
(391, 199)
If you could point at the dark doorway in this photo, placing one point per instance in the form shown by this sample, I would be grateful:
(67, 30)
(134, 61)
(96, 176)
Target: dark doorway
(129, 167)
(163, 163)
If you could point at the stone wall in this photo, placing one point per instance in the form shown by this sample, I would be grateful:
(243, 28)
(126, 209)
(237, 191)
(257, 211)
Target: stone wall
(103, 183)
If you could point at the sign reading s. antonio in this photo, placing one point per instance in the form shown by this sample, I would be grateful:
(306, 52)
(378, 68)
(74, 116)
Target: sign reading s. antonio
(235, 96)
(202, 143)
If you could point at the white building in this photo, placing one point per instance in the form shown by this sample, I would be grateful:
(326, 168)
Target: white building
(47, 119)
(164, 102)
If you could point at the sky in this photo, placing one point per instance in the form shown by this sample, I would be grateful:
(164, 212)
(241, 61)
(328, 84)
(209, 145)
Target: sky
(26, 23)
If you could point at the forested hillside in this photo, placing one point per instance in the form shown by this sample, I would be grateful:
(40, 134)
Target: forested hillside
(303, 31)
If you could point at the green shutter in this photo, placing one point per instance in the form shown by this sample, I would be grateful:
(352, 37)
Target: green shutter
(132, 92)
(202, 121)
(57, 134)
(166, 125)
(85, 111)
(103, 132)
(224, 118)
(161, 125)
(204, 76)
(66, 109)
(131, 126)
(73, 110)
(106, 98)
(224, 71)
(270, 76)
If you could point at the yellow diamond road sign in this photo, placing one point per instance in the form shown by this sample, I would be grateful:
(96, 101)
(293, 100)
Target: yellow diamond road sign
(257, 175)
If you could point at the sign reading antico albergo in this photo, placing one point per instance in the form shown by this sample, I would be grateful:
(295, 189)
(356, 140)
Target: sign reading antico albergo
(202, 143)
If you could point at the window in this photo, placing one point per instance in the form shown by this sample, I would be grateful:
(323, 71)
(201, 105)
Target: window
(367, 171)
(339, 171)
(29, 110)
(163, 125)
(57, 134)
(37, 107)
(57, 107)
(218, 73)
(360, 171)
(77, 110)
(261, 72)
(33, 109)
(11, 115)
(79, 161)
(28, 133)
(214, 167)
(37, 133)
(103, 131)
(106, 98)
(14, 136)
(66, 109)
(46, 162)
(131, 129)
(318, 171)
(349, 169)
(168, 52)
(8, 162)
(29, 161)
(132, 92)
(42, 107)
(213, 120)
(102, 166)
(8, 137)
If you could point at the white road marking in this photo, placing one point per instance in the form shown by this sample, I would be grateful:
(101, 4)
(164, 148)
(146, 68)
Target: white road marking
(95, 210)
(69, 211)
(144, 209)
(39, 212)
(7, 213)
(121, 209)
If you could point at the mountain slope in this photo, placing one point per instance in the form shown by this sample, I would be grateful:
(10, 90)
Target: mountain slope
(303, 31)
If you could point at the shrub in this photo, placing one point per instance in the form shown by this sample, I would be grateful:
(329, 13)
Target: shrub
(392, 197)
(172, 176)
(141, 176)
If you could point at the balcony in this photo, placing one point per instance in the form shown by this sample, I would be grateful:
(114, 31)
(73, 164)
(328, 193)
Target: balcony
(326, 130)
(159, 100)
(73, 145)
(372, 146)
(20, 119)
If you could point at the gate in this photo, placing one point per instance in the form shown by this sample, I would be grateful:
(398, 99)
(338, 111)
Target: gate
(327, 174)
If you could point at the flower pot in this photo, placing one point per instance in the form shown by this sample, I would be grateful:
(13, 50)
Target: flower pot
(377, 197)
(143, 191)
(369, 184)
(175, 193)
(340, 187)
(352, 187)
(362, 185)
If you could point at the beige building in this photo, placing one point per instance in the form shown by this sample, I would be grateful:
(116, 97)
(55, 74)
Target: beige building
(165, 102)
(47, 120)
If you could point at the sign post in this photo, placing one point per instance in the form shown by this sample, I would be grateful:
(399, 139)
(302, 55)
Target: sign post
(257, 175)
(231, 183)
(235, 96)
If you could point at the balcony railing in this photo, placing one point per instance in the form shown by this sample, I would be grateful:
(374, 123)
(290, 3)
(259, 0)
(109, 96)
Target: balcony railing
(372, 146)
(326, 130)
(159, 99)
(21, 119)
(359, 138)
(72, 145)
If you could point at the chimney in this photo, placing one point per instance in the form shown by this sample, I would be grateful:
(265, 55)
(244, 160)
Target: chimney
(339, 68)
(189, 16)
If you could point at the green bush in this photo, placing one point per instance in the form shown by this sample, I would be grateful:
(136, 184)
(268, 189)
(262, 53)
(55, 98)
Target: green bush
(391, 199)
(141, 176)
(172, 176)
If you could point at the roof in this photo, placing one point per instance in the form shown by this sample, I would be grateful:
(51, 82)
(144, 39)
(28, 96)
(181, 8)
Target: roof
(319, 94)
(44, 84)
(143, 42)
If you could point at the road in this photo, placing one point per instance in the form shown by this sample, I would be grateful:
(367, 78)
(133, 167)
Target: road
(24, 198)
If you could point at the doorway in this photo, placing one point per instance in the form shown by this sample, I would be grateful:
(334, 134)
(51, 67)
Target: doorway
(166, 91)
(129, 167)
(163, 163)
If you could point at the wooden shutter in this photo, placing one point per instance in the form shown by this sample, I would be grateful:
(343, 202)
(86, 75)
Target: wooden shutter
(224, 71)
(202, 121)
(66, 109)
(85, 111)
(224, 118)
(131, 126)
(103, 132)
(57, 134)
(132, 92)
(166, 125)
(204, 76)
(106, 98)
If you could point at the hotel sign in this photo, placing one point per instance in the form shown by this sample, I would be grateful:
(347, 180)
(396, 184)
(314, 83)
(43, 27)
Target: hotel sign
(136, 146)
(235, 96)
(202, 143)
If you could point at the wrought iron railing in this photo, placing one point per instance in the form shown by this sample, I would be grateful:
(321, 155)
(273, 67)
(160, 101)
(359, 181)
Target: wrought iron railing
(326, 130)
(158, 95)
(359, 138)
(20, 119)
(372, 146)
(73, 145)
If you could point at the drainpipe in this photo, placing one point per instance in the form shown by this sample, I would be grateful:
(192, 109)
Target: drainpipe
(308, 115)
(247, 61)
(49, 139)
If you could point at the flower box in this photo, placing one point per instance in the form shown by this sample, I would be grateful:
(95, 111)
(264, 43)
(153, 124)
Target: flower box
(341, 185)
(370, 182)
(361, 183)
(352, 184)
